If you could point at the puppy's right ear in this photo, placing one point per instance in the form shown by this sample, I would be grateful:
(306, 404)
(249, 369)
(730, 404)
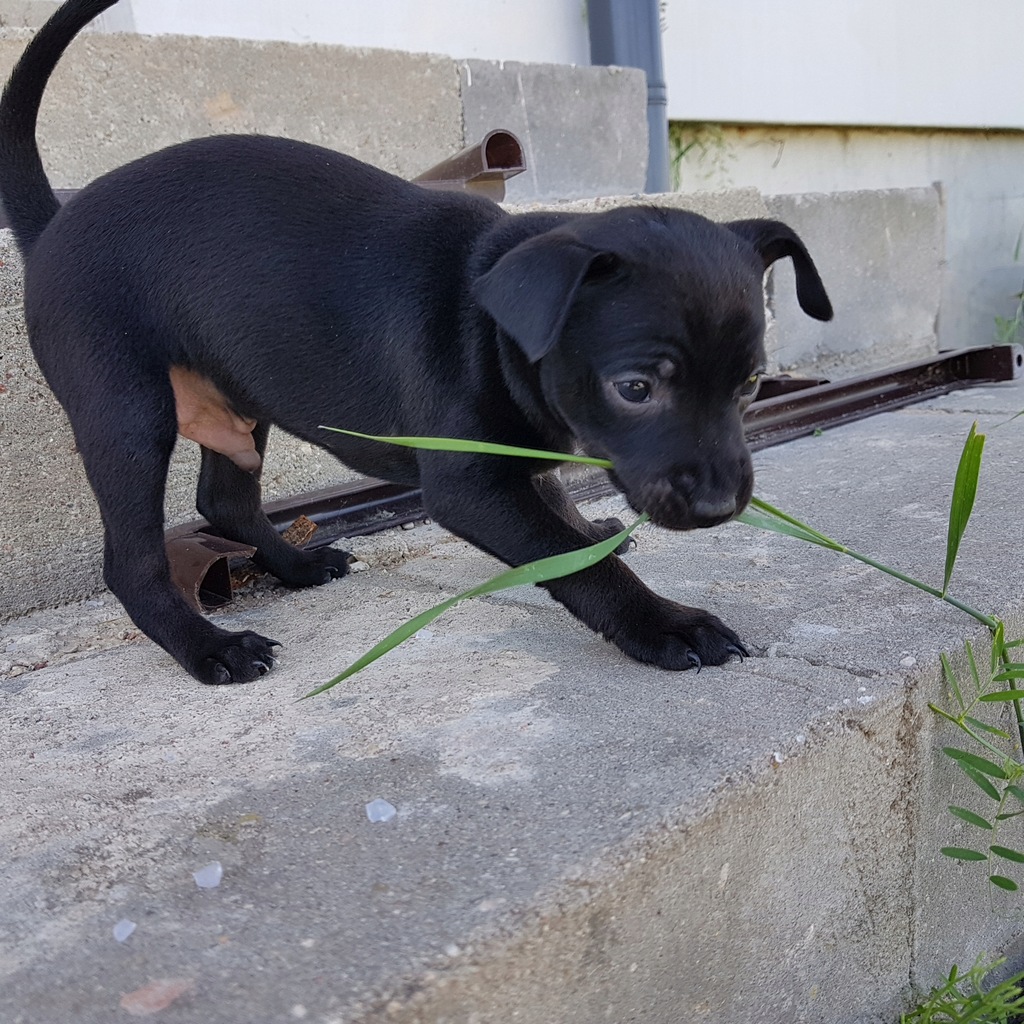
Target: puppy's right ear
(531, 289)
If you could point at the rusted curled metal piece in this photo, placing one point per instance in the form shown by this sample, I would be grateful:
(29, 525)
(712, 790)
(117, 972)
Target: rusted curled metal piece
(483, 168)
(200, 567)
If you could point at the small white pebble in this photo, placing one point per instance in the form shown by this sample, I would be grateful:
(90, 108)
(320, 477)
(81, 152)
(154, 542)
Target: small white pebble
(380, 810)
(801, 738)
(209, 877)
(777, 757)
(357, 566)
(123, 929)
(909, 661)
(299, 1012)
(866, 699)
(452, 950)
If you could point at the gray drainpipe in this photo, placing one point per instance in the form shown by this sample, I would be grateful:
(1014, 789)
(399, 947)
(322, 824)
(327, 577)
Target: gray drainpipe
(627, 33)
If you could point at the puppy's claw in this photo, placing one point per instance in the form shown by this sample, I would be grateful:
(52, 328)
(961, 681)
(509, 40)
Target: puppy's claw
(694, 659)
(221, 676)
(738, 649)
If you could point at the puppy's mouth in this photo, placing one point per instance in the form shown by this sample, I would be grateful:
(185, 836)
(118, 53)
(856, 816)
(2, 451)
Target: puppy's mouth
(671, 507)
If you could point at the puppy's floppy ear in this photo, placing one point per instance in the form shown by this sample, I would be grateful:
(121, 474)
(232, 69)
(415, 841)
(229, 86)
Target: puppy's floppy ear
(531, 289)
(773, 240)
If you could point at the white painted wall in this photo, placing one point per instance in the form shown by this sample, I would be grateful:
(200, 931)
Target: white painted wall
(926, 63)
(547, 31)
(934, 63)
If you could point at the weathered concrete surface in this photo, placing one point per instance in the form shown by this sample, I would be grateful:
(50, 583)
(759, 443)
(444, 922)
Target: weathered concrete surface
(881, 257)
(579, 838)
(117, 97)
(581, 128)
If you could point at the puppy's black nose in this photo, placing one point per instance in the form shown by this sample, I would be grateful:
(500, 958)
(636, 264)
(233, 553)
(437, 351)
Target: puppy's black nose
(712, 513)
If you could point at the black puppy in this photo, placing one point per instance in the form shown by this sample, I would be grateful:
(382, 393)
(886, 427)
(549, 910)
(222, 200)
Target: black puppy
(230, 283)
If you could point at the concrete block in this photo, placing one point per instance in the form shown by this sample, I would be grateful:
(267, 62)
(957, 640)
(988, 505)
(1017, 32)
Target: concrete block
(584, 129)
(26, 13)
(880, 254)
(117, 97)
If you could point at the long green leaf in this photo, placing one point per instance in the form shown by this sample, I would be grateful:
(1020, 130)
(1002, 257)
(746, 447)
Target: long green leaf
(1008, 854)
(980, 764)
(454, 444)
(985, 727)
(1004, 883)
(970, 817)
(950, 675)
(982, 781)
(959, 853)
(1011, 670)
(1001, 695)
(540, 571)
(965, 488)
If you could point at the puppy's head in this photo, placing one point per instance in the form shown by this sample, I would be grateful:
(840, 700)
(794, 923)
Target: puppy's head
(646, 329)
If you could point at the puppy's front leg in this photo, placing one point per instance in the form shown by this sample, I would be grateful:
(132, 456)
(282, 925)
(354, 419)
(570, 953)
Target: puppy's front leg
(519, 518)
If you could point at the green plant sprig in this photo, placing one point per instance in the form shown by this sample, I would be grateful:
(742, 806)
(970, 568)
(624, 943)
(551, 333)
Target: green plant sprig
(962, 999)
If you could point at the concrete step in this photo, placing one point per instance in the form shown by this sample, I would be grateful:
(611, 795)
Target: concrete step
(26, 13)
(579, 838)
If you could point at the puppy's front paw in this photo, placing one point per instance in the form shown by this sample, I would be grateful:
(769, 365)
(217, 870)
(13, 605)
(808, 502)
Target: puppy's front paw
(236, 658)
(680, 638)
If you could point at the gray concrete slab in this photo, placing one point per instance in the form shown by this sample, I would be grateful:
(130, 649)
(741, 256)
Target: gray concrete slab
(880, 254)
(583, 129)
(117, 97)
(578, 837)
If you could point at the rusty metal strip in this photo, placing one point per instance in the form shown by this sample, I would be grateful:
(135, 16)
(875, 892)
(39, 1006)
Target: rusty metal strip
(786, 416)
(200, 567)
(795, 407)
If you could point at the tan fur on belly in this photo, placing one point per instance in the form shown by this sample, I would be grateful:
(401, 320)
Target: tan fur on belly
(205, 416)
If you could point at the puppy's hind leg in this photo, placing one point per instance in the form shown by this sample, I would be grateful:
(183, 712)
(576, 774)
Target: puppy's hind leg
(229, 497)
(125, 427)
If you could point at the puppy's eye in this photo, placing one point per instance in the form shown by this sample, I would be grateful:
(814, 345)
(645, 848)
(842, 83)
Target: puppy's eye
(749, 388)
(634, 390)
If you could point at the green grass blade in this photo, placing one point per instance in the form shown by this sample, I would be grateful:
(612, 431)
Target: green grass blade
(947, 671)
(454, 444)
(965, 488)
(1011, 670)
(772, 518)
(970, 817)
(540, 571)
(1016, 791)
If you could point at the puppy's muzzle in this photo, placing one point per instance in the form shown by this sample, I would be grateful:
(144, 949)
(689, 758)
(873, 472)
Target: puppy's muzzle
(688, 500)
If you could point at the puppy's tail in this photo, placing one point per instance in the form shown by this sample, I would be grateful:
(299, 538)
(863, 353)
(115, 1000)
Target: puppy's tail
(27, 197)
